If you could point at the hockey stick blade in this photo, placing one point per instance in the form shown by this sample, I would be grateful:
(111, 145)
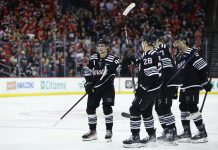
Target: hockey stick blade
(127, 10)
(126, 115)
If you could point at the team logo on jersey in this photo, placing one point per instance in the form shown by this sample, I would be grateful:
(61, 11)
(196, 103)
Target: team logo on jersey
(98, 72)
(100, 63)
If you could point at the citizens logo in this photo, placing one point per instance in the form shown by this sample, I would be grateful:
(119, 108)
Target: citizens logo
(48, 85)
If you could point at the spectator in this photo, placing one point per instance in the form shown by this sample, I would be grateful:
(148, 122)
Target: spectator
(36, 27)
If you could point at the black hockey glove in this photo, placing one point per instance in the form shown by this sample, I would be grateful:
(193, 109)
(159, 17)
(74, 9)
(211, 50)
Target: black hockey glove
(208, 86)
(89, 87)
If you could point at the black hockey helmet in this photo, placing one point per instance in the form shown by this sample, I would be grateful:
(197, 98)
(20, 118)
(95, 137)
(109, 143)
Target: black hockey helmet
(103, 41)
(181, 37)
(150, 39)
(159, 33)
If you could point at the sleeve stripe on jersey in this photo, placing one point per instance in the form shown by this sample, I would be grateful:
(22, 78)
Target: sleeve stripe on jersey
(110, 57)
(163, 46)
(188, 51)
(151, 71)
(110, 60)
(87, 72)
(143, 54)
(166, 62)
(151, 52)
(94, 57)
(199, 64)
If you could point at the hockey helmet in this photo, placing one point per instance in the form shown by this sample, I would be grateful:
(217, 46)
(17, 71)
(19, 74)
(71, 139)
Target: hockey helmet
(150, 39)
(103, 41)
(181, 37)
(159, 33)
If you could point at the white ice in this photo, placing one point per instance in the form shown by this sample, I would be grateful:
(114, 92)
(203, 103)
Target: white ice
(26, 123)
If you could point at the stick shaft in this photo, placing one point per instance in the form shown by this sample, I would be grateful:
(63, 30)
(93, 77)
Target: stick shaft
(126, 35)
(73, 106)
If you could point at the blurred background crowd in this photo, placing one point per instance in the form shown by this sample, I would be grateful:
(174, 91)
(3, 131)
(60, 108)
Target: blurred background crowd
(55, 38)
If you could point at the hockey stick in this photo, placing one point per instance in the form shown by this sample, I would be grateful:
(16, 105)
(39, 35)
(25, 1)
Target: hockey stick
(125, 13)
(70, 109)
(104, 73)
(205, 96)
(127, 115)
(133, 76)
(178, 71)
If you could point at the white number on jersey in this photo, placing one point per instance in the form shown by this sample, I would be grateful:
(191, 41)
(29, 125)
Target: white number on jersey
(147, 61)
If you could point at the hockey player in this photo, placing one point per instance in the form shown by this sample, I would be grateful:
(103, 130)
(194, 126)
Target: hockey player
(145, 95)
(167, 93)
(194, 78)
(99, 76)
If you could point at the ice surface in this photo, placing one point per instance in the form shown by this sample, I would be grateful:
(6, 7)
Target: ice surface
(26, 123)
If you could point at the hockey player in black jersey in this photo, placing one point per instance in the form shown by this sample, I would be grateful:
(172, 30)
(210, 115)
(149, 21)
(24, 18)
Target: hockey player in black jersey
(194, 78)
(99, 76)
(167, 93)
(145, 95)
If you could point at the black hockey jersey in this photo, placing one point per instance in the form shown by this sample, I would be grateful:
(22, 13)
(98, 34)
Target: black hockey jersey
(148, 75)
(97, 66)
(194, 73)
(168, 66)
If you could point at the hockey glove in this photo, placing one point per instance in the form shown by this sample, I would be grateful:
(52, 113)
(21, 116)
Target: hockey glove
(208, 86)
(89, 87)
